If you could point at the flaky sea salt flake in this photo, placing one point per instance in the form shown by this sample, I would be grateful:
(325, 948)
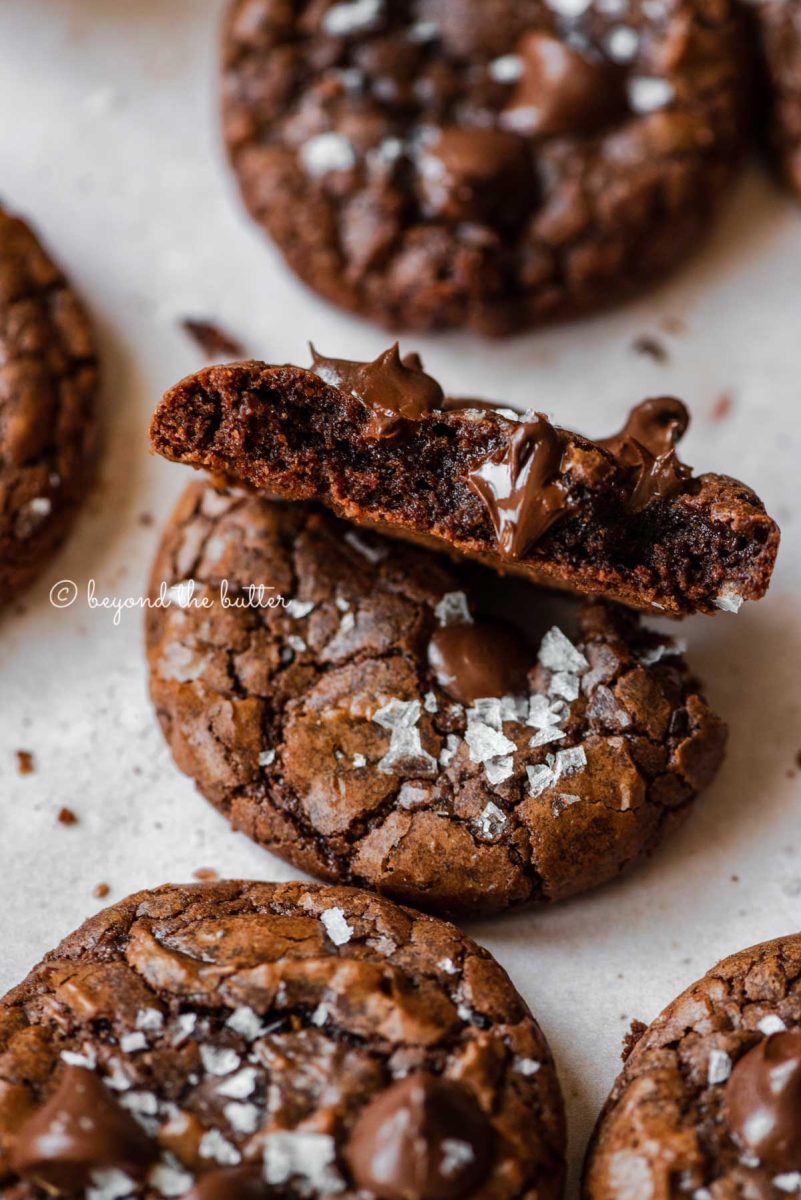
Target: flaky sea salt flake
(492, 821)
(239, 1086)
(485, 742)
(337, 928)
(307, 1157)
(351, 16)
(719, 1068)
(452, 609)
(771, 1024)
(729, 599)
(216, 1147)
(497, 770)
(298, 609)
(246, 1022)
(219, 1060)
(540, 778)
(789, 1182)
(557, 653)
(109, 1183)
(327, 152)
(243, 1118)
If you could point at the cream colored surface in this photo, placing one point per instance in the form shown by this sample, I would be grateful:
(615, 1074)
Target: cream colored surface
(109, 142)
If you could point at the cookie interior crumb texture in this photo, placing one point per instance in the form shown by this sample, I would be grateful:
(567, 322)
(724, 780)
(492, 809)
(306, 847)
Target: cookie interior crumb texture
(707, 1104)
(48, 431)
(379, 443)
(233, 1039)
(490, 165)
(376, 729)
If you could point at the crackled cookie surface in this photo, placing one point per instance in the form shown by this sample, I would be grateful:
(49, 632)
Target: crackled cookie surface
(48, 384)
(233, 1041)
(621, 517)
(376, 731)
(458, 162)
(708, 1105)
(779, 25)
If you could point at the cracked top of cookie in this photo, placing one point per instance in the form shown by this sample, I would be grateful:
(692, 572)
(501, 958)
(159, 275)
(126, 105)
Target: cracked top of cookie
(243, 1039)
(344, 701)
(493, 164)
(621, 517)
(48, 381)
(708, 1103)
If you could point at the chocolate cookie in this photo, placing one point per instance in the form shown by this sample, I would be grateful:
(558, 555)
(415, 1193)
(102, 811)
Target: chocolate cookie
(779, 26)
(485, 164)
(48, 385)
(708, 1105)
(377, 731)
(622, 517)
(236, 1041)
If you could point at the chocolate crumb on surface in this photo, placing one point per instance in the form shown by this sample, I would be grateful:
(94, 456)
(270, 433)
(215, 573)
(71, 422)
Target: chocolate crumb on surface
(723, 407)
(650, 347)
(495, 166)
(247, 1039)
(100, 891)
(363, 732)
(212, 339)
(66, 816)
(620, 517)
(206, 874)
(26, 764)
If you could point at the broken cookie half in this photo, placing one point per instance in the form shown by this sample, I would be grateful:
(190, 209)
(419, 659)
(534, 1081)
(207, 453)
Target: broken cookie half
(380, 443)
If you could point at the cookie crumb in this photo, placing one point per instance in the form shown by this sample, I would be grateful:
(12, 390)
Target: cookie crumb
(206, 874)
(26, 764)
(722, 407)
(100, 891)
(651, 348)
(631, 1038)
(66, 816)
(145, 519)
(211, 339)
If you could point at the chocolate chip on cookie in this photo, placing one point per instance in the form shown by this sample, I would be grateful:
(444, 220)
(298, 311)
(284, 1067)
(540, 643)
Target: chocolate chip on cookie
(778, 24)
(620, 517)
(376, 729)
(48, 385)
(709, 1101)
(234, 1041)
(435, 163)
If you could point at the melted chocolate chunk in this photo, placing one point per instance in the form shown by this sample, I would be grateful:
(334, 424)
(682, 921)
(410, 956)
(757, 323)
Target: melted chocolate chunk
(393, 388)
(763, 1101)
(518, 484)
(646, 445)
(485, 658)
(562, 91)
(230, 1183)
(80, 1129)
(474, 174)
(424, 1138)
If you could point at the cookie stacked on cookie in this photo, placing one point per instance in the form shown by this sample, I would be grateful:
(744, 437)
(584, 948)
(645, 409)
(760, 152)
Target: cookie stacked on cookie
(371, 723)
